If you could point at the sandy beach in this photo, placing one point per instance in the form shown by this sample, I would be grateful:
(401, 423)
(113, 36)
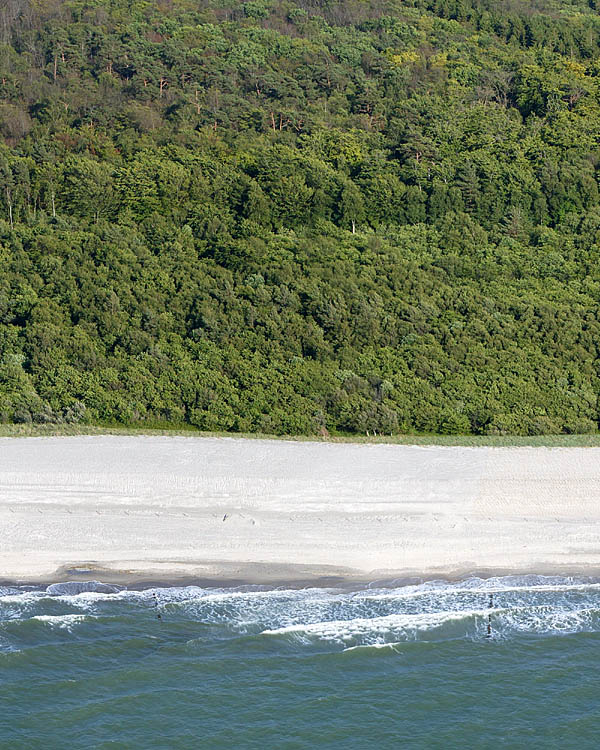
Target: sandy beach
(147, 508)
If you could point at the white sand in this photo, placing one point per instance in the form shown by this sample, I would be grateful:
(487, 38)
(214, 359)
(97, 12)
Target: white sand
(258, 510)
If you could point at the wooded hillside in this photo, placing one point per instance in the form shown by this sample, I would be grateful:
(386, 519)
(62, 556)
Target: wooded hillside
(284, 216)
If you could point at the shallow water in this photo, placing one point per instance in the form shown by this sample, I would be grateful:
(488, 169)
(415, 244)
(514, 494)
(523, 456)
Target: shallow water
(94, 667)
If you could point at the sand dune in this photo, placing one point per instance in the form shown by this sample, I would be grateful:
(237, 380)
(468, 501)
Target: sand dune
(141, 508)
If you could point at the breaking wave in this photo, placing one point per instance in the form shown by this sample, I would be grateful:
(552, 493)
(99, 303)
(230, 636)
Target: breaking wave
(475, 608)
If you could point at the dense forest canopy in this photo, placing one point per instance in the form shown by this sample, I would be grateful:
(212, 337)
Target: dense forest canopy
(295, 215)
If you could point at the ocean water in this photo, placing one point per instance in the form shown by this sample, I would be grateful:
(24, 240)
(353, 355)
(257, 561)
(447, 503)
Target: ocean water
(92, 666)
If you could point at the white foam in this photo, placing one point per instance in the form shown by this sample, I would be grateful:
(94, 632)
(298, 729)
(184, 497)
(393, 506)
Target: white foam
(520, 605)
(376, 627)
(61, 621)
(545, 620)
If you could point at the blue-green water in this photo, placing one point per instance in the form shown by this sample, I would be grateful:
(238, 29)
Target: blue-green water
(406, 667)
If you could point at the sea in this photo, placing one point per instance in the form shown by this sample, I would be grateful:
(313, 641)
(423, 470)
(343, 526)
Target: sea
(505, 662)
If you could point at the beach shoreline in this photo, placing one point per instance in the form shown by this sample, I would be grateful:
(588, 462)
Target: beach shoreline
(146, 510)
(267, 578)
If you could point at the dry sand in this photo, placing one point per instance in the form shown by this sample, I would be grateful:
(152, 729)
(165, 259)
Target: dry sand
(147, 508)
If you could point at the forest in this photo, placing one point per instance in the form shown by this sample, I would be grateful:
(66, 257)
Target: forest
(301, 216)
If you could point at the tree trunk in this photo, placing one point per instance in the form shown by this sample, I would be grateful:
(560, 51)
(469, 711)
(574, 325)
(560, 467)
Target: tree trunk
(9, 202)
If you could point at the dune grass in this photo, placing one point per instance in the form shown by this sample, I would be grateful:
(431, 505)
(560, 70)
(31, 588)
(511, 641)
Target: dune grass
(63, 430)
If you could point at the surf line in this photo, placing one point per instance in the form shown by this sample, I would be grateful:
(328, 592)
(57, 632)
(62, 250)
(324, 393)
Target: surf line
(489, 622)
